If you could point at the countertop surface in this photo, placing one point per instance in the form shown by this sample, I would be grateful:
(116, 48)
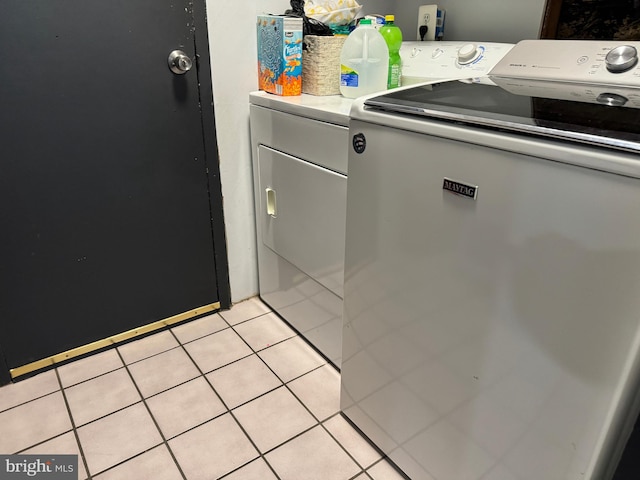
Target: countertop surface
(331, 108)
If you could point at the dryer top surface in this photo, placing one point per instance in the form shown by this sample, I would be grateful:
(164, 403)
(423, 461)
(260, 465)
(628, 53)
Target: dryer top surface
(331, 108)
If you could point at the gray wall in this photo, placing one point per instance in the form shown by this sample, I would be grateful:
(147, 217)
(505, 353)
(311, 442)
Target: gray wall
(382, 7)
(506, 21)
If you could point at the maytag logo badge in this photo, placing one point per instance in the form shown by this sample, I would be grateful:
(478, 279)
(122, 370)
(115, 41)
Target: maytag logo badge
(359, 143)
(469, 191)
(49, 467)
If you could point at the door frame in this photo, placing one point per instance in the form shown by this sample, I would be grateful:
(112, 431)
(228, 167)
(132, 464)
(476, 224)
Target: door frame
(212, 159)
(5, 377)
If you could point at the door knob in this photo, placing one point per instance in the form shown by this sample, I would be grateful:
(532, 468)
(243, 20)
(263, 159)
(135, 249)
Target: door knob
(179, 62)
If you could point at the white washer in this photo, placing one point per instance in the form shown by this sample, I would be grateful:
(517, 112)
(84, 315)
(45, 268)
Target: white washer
(492, 269)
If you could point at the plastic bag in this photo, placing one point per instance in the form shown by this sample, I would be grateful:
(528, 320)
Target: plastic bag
(310, 26)
(332, 12)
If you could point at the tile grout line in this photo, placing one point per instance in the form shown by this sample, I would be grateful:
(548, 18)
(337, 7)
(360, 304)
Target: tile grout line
(92, 378)
(102, 417)
(22, 450)
(246, 319)
(286, 385)
(73, 425)
(144, 401)
(363, 470)
(25, 402)
(383, 457)
(307, 341)
(260, 454)
(386, 460)
(320, 423)
(150, 356)
(254, 352)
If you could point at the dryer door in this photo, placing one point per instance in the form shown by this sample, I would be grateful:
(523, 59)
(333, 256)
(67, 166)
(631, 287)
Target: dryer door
(302, 215)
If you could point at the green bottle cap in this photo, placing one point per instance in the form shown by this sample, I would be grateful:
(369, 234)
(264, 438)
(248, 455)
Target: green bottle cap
(365, 21)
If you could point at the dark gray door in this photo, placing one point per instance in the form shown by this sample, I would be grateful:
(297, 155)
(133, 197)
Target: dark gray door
(110, 204)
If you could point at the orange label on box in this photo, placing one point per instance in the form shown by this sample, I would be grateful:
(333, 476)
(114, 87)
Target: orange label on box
(280, 54)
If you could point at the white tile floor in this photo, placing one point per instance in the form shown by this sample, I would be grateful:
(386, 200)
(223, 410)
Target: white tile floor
(235, 395)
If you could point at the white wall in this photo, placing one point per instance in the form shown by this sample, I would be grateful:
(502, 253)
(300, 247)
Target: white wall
(232, 44)
(232, 40)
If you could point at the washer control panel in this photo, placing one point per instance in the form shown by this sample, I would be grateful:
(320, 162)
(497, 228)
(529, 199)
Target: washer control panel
(611, 95)
(582, 61)
(426, 61)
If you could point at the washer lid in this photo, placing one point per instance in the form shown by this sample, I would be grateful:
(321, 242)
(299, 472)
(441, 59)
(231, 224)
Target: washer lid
(598, 115)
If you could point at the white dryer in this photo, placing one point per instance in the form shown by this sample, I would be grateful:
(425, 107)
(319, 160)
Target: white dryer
(299, 151)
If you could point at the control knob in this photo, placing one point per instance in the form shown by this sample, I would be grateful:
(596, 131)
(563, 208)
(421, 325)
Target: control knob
(612, 99)
(437, 53)
(467, 53)
(621, 59)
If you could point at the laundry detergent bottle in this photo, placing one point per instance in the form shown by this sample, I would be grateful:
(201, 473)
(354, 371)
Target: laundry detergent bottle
(364, 62)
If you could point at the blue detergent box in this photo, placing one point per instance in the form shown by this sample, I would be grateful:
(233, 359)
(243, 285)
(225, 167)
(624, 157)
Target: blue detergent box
(280, 54)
